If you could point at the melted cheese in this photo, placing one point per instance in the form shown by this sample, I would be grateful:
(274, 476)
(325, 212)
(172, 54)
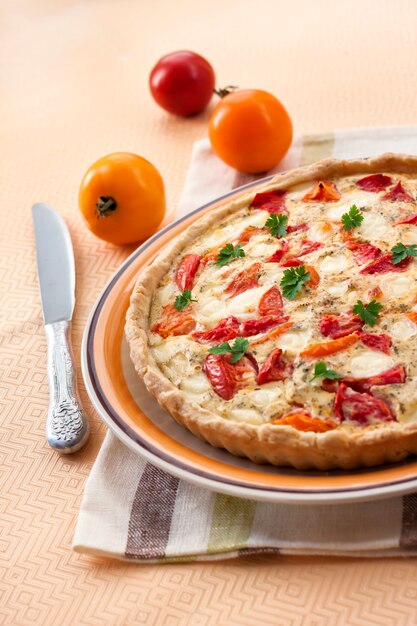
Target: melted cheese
(267, 395)
(374, 226)
(369, 363)
(333, 264)
(294, 342)
(338, 289)
(321, 231)
(246, 304)
(165, 294)
(403, 329)
(249, 416)
(210, 311)
(397, 286)
(196, 384)
(335, 210)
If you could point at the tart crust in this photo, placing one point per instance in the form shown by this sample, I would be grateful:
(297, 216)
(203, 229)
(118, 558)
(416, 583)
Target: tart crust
(280, 445)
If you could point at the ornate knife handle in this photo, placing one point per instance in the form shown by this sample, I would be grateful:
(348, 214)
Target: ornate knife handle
(66, 427)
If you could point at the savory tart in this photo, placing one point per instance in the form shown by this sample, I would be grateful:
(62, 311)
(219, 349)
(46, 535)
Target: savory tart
(283, 325)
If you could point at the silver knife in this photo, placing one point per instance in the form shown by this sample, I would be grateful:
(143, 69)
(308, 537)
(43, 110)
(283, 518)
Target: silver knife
(66, 426)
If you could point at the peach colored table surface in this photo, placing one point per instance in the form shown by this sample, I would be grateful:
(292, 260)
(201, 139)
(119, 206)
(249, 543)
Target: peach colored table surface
(73, 81)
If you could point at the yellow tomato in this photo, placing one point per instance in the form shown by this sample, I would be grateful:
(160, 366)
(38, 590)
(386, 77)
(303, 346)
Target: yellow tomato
(122, 198)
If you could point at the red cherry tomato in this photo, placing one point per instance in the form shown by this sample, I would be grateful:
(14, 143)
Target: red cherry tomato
(182, 83)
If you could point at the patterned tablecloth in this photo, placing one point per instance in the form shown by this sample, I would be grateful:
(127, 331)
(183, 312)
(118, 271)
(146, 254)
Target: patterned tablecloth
(74, 87)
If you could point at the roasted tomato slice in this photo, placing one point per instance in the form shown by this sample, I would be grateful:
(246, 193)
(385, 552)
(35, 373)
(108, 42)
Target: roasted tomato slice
(227, 378)
(272, 201)
(271, 302)
(294, 229)
(226, 329)
(395, 375)
(364, 408)
(306, 423)
(319, 350)
(255, 327)
(374, 182)
(336, 326)
(274, 368)
(363, 252)
(308, 246)
(292, 263)
(186, 271)
(174, 322)
(276, 332)
(276, 257)
(246, 279)
(384, 264)
(411, 219)
(398, 193)
(323, 192)
(379, 342)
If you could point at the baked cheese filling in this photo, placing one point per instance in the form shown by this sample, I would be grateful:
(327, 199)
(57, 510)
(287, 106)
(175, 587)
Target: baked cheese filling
(300, 308)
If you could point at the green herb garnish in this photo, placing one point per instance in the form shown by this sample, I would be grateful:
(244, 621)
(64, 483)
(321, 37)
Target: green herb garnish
(277, 224)
(401, 252)
(237, 350)
(293, 280)
(368, 313)
(352, 219)
(183, 300)
(322, 371)
(229, 253)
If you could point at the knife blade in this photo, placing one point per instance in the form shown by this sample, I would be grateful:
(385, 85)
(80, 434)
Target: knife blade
(66, 425)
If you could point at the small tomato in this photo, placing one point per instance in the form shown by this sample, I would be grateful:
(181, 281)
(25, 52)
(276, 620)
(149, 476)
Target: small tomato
(122, 198)
(182, 83)
(250, 130)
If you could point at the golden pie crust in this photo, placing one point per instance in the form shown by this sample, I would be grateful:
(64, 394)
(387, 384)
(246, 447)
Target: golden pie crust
(280, 445)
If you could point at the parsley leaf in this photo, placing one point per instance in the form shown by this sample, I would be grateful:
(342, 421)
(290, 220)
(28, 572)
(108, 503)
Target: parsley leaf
(322, 371)
(293, 280)
(277, 224)
(368, 313)
(352, 219)
(183, 300)
(237, 350)
(228, 253)
(400, 252)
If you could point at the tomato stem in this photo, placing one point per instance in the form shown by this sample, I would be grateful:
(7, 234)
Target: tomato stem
(105, 205)
(222, 92)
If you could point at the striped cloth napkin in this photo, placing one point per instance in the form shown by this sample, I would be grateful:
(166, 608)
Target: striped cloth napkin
(132, 510)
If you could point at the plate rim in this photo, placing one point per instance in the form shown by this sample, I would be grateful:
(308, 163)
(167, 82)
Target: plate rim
(288, 496)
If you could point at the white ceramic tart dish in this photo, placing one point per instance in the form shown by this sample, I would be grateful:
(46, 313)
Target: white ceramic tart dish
(282, 326)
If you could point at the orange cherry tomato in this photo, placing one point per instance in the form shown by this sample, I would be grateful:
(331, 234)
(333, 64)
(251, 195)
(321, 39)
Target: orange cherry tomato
(250, 130)
(122, 198)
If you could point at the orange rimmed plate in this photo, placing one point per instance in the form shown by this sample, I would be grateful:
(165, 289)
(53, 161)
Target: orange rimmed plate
(136, 418)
